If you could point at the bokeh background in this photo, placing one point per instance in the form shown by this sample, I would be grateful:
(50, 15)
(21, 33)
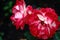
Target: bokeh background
(8, 30)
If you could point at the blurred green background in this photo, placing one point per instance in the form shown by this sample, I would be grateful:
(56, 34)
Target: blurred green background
(8, 30)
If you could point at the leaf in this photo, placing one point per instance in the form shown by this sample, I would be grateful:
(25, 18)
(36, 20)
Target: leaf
(1, 33)
(10, 11)
(29, 36)
(57, 35)
(0, 38)
(10, 4)
(6, 7)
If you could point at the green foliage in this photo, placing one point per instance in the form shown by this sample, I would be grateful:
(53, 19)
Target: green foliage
(29, 36)
(1, 38)
(10, 10)
(59, 17)
(10, 4)
(1, 34)
(57, 36)
(6, 8)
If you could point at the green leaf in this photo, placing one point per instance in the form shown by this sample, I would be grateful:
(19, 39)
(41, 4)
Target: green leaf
(0, 38)
(29, 36)
(10, 11)
(59, 17)
(6, 7)
(57, 35)
(1, 33)
(10, 4)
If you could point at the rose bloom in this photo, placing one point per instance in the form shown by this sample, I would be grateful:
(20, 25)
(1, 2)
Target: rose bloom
(20, 11)
(43, 23)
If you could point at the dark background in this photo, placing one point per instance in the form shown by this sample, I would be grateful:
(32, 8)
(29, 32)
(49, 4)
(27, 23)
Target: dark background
(8, 30)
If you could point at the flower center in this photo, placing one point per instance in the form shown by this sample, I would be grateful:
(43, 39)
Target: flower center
(42, 22)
